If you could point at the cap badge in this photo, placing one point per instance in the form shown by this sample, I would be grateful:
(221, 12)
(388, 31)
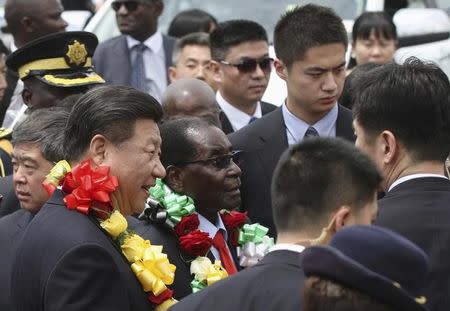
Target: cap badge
(77, 54)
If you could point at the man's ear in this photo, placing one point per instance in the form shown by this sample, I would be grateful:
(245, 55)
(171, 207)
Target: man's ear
(98, 149)
(159, 7)
(27, 94)
(214, 68)
(280, 69)
(172, 71)
(390, 146)
(342, 218)
(27, 24)
(174, 178)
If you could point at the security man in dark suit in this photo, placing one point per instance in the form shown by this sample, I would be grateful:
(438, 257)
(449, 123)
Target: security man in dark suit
(241, 67)
(38, 144)
(402, 120)
(310, 43)
(52, 68)
(142, 55)
(319, 187)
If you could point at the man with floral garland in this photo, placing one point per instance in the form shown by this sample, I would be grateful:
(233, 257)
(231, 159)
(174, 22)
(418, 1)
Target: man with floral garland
(319, 187)
(76, 254)
(200, 189)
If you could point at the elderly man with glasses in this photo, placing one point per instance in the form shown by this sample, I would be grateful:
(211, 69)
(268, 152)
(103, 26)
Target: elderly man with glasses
(141, 56)
(241, 67)
(202, 183)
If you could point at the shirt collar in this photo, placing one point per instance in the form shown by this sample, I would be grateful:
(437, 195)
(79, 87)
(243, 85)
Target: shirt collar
(297, 127)
(237, 118)
(289, 247)
(154, 42)
(413, 176)
(206, 226)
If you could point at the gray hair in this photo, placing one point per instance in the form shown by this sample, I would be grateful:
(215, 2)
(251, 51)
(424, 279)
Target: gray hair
(45, 129)
(196, 38)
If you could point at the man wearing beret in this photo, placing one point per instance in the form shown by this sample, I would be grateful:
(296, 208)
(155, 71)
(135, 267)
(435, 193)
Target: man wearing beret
(402, 119)
(52, 68)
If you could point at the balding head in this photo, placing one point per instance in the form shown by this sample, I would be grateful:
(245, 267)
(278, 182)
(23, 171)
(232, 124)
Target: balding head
(30, 19)
(191, 97)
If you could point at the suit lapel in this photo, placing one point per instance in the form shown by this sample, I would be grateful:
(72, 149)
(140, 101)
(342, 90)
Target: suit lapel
(227, 128)
(344, 127)
(122, 61)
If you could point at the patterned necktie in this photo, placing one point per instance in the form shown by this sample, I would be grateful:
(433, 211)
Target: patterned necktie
(138, 68)
(252, 119)
(224, 252)
(311, 132)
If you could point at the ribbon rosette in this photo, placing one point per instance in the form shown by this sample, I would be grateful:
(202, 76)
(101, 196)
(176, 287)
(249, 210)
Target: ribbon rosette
(150, 265)
(57, 173)
(206, 273)
(86, 186)
(115, 224)
(255, 244)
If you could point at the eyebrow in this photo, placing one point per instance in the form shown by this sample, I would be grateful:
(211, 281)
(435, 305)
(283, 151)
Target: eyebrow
(24, 158)
(325, 69)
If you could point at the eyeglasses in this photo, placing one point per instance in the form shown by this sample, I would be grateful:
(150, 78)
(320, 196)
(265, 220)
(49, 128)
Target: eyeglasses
(249, 65)
(221, 162)
(129, 5)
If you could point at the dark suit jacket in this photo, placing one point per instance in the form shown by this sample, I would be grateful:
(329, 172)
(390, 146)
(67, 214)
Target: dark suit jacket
(419, 209)
(66, 262)
(263, 142)
(159, 235)
(9, 202)
(275, 283)
(227, 128)
(112, 59)
(12, 228)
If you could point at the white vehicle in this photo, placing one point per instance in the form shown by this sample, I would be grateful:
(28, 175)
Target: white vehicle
(423, 32)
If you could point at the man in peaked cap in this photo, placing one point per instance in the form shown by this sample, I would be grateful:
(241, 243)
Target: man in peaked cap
(54, 67)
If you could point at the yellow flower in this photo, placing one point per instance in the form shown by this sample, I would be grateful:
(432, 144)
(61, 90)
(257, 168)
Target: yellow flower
(133, 247)
(115, 224)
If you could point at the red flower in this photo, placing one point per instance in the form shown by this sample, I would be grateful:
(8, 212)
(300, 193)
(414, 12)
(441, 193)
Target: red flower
(233, 219)
(196, 243)
(187, 224)
(87, 187)
(157, 300)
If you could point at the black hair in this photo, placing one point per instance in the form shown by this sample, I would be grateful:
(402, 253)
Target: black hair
(45, 129)
(196, 38)
(178, 143)
(318, 176)
(232, 33)
(378, 22)
(305, 27)
(412, 101)
(357, 74)
(190, 21)
(108, 110)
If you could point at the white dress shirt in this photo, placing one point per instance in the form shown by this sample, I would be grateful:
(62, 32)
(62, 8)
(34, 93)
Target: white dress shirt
(206, 226)
(154, 62)
(296, 127)
(413, 176)
(288, 247)
(237, 118)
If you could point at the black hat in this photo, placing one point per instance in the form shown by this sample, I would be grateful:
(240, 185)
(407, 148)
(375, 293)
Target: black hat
(61, 59)
(375, 261)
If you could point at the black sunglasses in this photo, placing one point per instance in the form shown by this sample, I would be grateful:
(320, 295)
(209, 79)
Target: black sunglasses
(221, 162)
(129, 5)
(249, 65)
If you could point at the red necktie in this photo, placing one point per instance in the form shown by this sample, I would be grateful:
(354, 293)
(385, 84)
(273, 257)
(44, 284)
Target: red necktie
(225, 256)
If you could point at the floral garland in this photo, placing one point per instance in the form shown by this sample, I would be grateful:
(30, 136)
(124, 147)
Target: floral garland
(178, 212)
(88, 192)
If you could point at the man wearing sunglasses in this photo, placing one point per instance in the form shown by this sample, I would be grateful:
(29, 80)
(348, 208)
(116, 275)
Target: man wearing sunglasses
(241, 67)
(199, 163)
(310, 43)
(141, 56)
